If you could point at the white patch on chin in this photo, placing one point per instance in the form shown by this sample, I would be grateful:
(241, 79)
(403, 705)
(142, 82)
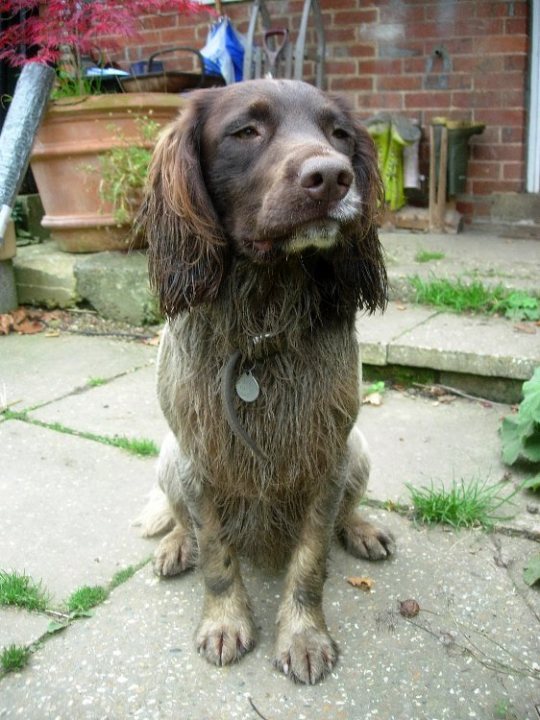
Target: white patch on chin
(322, 235)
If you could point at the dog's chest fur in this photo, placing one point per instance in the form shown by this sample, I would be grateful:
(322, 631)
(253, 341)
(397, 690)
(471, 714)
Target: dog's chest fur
(307, 369)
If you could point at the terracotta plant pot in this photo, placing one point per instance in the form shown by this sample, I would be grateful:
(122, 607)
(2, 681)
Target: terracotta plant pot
(66, 164)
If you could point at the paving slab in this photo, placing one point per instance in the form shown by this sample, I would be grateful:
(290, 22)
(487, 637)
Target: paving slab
(125, 406)
(491, 347)
(135, 657)
(510, 262)
(422, 442)
(19, 627)
(35, 369)
(67, 507)
(377, 332)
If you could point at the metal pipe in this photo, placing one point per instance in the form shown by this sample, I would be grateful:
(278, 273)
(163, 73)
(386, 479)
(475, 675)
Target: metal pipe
(17, 137)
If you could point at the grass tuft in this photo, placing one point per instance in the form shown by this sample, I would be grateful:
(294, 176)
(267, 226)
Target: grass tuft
(22, 591)
(96, 381)
(424, 256)
(86, 597)
(458, 296)
(122, 576)
(136, 446)
(14, 657)
(463, 504)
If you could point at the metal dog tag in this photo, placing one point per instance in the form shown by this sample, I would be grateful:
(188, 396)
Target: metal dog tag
(247, 387)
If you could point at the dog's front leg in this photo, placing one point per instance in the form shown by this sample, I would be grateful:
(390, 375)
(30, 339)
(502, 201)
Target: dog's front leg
(226, 631)
(304, 649)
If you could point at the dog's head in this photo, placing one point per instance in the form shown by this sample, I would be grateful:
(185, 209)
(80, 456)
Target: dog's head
(265, 169)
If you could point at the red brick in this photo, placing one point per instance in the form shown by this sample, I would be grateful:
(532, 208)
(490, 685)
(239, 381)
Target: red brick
(502, 81)
(448, 12)
(340, 35)
(401, 13)
(380, 66)
(365, 16)
(178, 36)
(427, 100)
(513, 134)
(476, 64)
(338, 82)
(501, 116)
(155, 22)
(340, 67)
(490, 151)
(399, 82)
(484, 170)
(501, 44)
(491, 8)
(515, 62)
(516, 26)
(487, 187)
(414, 64)
(513, 171)
(361, 50)
(379, 101)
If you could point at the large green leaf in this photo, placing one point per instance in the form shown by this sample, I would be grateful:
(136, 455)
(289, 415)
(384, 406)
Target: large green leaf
(511, 434)
(520, 434)
(531, 574)
(531, 445)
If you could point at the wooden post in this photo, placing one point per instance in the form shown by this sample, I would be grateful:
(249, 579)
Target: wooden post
(432, 178)
(443, 169)
(437, 184)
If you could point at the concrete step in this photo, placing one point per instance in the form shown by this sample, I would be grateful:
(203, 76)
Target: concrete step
(486, 356)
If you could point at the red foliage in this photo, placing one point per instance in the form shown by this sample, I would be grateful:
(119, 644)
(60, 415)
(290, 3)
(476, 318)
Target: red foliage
(77, 23)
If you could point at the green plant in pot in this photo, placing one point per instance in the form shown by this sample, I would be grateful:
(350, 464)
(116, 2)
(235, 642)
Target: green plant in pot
(81, 128)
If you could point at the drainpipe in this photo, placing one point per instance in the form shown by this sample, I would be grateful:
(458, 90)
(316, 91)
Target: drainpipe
(16, 139)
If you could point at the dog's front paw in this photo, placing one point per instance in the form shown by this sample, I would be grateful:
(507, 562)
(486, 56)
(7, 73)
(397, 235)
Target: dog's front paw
(308, 656)
(366, 541)
(175, 553)
(222, 643)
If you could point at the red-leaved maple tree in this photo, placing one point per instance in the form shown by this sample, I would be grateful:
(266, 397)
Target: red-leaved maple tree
(80, 25)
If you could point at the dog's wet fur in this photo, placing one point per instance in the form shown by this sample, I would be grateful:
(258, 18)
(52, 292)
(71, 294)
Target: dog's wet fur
(260, 219)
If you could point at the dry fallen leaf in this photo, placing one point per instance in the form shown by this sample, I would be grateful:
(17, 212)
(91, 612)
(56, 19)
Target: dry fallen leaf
(373, 399)
(401, 307)
(364, 583)
(527, 328)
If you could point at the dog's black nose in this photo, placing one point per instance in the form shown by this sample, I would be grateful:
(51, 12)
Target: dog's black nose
(326, 178)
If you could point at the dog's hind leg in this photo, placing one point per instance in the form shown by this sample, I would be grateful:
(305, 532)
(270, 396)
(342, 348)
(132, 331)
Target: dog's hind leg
(167, 512)
(359, 537)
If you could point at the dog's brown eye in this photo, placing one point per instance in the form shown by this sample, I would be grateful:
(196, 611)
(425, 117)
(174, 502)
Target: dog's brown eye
(340, 134)
(246, 133)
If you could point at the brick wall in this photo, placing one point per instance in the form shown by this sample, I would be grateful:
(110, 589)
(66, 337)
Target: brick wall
(383, 56)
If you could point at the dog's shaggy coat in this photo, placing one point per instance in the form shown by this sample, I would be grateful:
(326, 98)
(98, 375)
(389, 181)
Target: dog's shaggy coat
(259, 216)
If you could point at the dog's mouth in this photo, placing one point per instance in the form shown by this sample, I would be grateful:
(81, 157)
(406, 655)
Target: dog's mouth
(318, 235)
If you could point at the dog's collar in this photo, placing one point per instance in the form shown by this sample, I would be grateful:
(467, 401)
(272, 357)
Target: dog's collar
(245, 384)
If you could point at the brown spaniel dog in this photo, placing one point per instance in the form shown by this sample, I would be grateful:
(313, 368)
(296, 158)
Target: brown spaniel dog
(259, 216)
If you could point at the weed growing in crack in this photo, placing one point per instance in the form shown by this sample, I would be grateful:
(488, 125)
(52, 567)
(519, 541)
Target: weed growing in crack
(22, 591)
(86, 597)
(14, 657)
(464, 504)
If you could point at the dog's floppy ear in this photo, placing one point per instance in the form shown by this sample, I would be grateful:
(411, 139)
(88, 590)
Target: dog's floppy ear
(186, 247)
(359, 267)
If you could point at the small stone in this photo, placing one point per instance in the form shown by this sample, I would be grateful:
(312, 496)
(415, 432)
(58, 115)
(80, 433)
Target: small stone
(409, 608)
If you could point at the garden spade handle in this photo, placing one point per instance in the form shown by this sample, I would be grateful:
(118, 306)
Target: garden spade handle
(273, 55)
(17, 137)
